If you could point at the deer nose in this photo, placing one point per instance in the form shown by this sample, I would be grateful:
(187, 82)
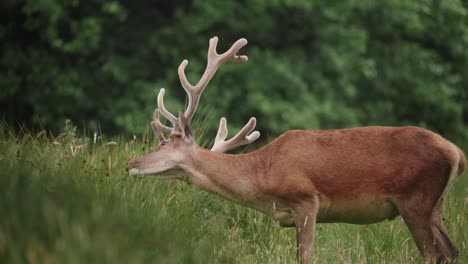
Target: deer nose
(131, 164)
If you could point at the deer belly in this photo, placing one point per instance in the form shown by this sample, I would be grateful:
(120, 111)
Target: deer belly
(356, 211)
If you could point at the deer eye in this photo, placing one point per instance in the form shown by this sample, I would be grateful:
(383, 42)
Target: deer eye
(164, 142)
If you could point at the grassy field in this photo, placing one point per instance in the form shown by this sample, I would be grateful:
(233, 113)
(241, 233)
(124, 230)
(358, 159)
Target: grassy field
(69, 200)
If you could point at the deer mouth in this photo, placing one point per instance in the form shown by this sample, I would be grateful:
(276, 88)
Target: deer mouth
(134, 172)
(168, 174)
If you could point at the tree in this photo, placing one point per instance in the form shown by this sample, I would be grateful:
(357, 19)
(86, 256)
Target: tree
(313, 64)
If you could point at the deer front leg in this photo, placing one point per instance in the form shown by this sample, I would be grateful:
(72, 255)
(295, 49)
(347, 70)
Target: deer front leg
(305, 216)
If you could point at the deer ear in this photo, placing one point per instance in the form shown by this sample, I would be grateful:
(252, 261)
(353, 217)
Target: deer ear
(184, 126)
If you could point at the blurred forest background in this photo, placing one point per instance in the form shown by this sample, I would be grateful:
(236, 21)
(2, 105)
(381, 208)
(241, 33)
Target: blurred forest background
(312, 64)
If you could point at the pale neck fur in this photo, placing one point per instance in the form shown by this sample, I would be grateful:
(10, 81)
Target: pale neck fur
(233, 177)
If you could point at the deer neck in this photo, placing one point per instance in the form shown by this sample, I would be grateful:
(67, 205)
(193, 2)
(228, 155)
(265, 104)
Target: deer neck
(232, 177)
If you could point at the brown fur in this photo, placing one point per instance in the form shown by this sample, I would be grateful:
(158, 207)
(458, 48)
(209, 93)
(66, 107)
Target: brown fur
(357, 175)
(462, 164)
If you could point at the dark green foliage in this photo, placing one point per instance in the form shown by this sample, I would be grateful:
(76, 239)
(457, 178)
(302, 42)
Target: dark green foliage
(313, 64)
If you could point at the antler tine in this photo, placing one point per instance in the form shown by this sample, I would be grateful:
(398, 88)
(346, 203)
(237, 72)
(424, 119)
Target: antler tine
(214, 61)
(158, 127)
(174, 120)
(241, 138)
(230, 55)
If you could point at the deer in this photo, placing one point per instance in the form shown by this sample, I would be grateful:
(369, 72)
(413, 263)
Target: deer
(359, 175)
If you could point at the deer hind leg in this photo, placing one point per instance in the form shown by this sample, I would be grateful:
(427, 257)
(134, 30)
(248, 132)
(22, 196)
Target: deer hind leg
(305, 216)
(449, 248)
(424, 220)
(419, 224)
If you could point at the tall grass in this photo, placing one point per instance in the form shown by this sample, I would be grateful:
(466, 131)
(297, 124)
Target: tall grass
(69, 200)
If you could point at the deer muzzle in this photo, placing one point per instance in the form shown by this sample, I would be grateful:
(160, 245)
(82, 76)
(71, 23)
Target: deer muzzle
(132, 167)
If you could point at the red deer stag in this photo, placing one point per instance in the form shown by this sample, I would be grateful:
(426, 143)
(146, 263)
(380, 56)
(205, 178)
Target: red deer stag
(358, 175)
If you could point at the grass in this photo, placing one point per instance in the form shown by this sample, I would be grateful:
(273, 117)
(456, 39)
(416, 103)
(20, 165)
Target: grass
(69, 200)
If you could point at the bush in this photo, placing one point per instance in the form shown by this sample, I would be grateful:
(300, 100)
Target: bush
(313, 64)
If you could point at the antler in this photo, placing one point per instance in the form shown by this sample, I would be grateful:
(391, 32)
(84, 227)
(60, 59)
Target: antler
(215, 60)
(158, 127)
(241, 138)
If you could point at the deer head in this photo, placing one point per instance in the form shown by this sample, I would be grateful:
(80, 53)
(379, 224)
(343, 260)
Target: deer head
(180, 146)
